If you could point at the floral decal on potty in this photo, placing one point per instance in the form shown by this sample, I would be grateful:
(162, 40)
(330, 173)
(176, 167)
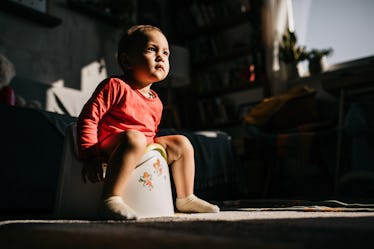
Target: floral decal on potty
(158, 167)
(146, 180)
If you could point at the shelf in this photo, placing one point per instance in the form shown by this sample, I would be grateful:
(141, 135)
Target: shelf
(230, 55)
(232, 89)
(220, 25)
(30, 14)
(223, 124)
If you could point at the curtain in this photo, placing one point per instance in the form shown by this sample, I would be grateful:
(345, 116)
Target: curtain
(275, 20)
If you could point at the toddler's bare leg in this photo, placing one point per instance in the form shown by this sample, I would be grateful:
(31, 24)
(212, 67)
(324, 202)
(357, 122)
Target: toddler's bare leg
(181, 158)
(127, 149)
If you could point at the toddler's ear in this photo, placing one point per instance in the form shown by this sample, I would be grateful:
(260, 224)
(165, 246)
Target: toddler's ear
(125, 61)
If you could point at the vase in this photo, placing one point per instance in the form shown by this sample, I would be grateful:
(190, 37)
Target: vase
(317, 65)
(292, 70)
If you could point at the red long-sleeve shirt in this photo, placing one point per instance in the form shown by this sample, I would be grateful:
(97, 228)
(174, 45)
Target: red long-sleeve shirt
(115, 107)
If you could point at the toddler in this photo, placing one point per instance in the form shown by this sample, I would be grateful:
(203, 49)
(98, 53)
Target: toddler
(121, 118)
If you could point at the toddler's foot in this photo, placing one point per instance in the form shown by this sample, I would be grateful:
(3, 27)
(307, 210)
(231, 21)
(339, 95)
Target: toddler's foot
(193, 204)
(114, 208)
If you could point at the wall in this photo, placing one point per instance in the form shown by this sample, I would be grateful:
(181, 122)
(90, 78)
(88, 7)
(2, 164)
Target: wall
(48, 55)
(69, 54)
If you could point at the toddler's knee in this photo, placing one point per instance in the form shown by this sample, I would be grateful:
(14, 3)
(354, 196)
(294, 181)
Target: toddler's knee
(134, 139)
(184, 143)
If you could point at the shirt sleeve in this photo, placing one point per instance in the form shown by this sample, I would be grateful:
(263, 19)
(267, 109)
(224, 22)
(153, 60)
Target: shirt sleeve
(93, 111)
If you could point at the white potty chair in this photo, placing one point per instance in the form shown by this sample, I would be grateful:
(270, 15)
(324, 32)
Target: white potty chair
(148, 191)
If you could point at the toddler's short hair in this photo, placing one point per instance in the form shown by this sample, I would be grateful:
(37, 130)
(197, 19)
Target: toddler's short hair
(131, 38)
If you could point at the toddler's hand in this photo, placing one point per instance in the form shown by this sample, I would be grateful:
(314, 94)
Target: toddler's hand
(92, 170)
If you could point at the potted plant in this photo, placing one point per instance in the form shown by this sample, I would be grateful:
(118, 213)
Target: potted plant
(291, 54)
(316, 59)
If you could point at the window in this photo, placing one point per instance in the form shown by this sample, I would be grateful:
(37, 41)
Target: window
(344, 25)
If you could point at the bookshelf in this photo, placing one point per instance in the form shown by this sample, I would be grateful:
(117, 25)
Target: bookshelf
(227, 56)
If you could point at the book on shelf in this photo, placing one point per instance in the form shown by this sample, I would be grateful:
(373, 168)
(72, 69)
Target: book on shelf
(212, 111)
(227, 75)
(206, 13)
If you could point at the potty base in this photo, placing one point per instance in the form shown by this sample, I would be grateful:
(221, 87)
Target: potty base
(149, 190)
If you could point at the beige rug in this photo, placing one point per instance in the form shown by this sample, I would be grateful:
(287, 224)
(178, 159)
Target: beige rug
(227, 229)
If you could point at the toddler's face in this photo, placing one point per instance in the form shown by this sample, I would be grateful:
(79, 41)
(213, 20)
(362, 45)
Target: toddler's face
(150, 61)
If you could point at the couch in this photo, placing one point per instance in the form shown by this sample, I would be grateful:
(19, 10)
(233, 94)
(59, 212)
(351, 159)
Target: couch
(33, 142)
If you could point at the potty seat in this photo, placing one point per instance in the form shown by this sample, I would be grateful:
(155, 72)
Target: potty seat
(148, 191)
